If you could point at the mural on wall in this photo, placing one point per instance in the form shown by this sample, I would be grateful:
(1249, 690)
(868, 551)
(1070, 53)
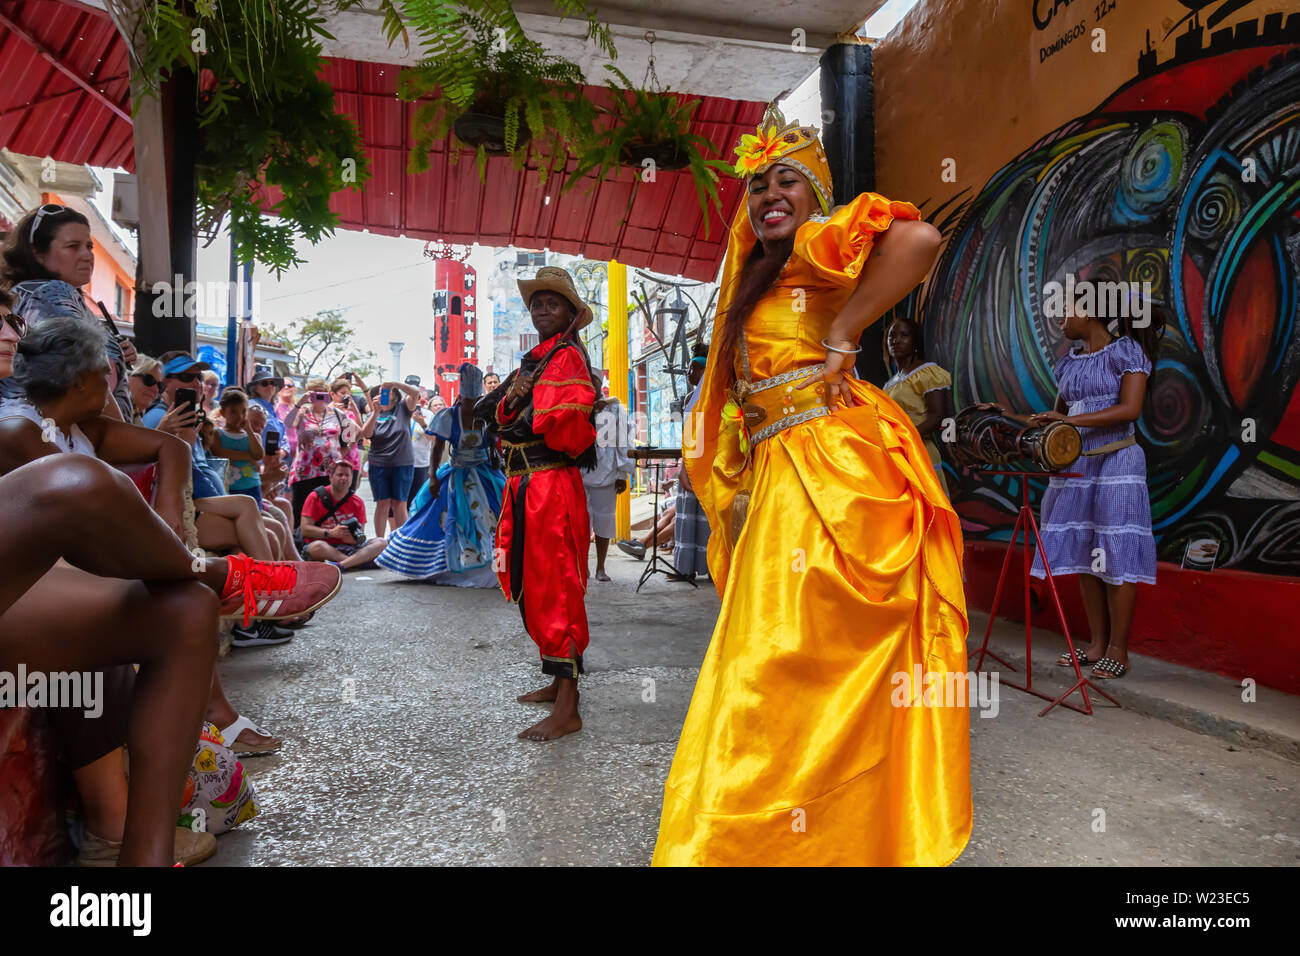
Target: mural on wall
(1186, 178)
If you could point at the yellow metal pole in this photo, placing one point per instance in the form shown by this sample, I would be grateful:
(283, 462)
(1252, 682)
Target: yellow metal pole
(616, 349)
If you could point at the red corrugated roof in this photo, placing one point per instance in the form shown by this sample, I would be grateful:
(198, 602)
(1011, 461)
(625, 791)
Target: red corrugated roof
(44, 112)
(664, 230)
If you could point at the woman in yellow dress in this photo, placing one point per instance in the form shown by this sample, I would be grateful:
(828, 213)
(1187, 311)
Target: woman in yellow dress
(919, 387)
(834, 549)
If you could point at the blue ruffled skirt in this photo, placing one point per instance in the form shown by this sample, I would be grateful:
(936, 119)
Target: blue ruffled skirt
(450, 538)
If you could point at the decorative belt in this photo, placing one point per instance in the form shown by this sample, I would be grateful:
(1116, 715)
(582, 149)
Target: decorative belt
(527, 457)
(778, 403)
(1109, 447)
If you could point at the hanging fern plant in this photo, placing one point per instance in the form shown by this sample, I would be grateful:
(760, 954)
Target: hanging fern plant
(497, 96)
(651, 130)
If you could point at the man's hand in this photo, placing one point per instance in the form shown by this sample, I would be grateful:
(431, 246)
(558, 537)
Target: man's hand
(338, 533)
(129, 354)
(519, 389)
(620, 485)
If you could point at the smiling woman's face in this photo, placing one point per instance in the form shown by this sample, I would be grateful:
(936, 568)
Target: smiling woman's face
(780, 201)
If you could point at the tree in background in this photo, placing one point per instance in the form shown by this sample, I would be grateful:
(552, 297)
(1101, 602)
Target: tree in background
(324, 346)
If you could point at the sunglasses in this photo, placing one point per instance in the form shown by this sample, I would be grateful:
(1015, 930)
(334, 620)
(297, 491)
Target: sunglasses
(17, 323)
(186, 377)
(149, 380)
(49, 209)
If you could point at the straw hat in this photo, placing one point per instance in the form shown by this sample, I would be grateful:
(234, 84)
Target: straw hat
(557, 280)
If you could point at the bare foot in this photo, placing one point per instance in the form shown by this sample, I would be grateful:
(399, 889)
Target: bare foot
(543, 695)
(553, 727)
(601, 575)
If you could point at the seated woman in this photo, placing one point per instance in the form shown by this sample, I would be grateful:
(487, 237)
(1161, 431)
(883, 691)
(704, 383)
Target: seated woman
(450, 536)
(129, 593)
(145, 383)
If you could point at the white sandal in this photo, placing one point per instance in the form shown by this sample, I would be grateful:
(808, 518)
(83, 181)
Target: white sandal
(231, 736)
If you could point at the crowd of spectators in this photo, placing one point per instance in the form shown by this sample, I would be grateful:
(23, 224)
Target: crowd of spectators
(146, 503)
(125, 546)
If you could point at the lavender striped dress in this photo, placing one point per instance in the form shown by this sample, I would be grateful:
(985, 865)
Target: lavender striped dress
(1100, 524)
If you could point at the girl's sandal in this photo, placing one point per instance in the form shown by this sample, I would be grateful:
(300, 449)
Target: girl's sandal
(1107, 668)
(1064, 659)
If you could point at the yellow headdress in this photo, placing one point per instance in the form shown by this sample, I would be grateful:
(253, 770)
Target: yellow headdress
(789, 144)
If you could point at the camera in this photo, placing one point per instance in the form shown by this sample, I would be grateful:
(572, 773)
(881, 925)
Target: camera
(354, 528)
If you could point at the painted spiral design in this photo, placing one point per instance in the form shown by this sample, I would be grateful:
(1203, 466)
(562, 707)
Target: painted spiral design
(1215, 209)
(1151, 172)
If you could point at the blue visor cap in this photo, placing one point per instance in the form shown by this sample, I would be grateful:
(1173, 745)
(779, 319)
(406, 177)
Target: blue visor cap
(184, 363)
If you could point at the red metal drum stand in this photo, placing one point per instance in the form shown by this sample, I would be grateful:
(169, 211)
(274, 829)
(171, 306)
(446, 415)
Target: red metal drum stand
(1027, 520)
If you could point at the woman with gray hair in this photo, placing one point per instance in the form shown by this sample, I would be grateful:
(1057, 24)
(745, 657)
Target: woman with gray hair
(62, 370)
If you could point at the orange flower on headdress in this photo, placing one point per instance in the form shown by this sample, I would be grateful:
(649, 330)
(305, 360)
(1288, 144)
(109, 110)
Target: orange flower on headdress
(773, 138)
(756, 151)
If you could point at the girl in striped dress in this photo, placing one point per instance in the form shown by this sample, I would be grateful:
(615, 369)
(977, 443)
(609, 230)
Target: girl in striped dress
(1098, 526)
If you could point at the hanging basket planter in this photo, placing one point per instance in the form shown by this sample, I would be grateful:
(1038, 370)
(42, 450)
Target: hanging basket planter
(665, 155)
(488, 131)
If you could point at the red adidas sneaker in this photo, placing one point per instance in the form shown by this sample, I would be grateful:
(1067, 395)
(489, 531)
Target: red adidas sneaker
(277, 590)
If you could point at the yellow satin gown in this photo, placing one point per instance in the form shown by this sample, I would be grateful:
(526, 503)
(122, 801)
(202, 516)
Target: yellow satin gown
(847, 572)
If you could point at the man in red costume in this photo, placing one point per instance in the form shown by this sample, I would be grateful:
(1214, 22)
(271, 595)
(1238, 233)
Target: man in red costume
(543, 417)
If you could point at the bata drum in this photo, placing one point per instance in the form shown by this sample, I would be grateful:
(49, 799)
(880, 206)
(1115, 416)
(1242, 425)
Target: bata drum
(987, 437)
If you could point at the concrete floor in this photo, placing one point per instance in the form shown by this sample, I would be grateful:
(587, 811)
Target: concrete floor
(422, 766)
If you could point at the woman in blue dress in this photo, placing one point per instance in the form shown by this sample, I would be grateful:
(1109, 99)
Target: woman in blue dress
(450, 535)
(1098, 526)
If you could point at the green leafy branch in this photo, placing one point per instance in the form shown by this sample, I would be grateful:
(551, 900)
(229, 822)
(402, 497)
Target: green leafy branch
(265, 118)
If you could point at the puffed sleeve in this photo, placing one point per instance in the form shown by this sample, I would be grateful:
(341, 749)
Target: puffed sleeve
(930, 378)
(562, 400)
(837, 248)
(1127, 356)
